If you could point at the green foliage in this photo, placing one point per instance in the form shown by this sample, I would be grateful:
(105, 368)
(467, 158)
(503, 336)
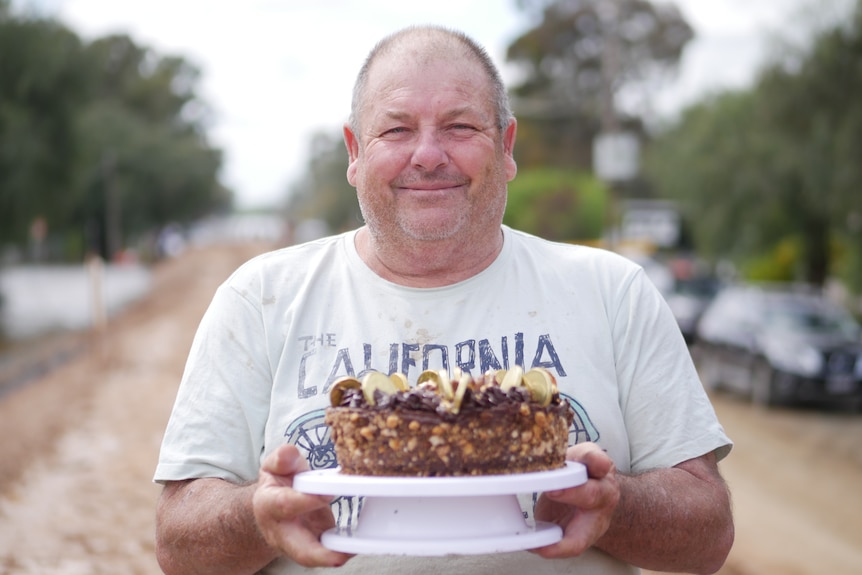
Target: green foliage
(778, 265)
(41, 88)
(105, 141)
(848, 265)
(557, 204)
(565, 57)
(781, 160)
(713, 164)
(574, 62)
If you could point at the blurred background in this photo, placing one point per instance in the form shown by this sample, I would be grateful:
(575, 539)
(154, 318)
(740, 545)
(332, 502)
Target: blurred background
(718, 140)
(714, 143)
(718, 144)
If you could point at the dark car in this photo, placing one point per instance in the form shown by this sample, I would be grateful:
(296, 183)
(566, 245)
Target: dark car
(780, 346)
(688, 300)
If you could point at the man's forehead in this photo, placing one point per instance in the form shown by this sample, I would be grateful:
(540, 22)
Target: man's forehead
(447, 96)
(402, 71)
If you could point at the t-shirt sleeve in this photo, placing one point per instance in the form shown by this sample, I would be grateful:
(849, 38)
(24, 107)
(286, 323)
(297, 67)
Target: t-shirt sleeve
(668, 415)
(216, 427)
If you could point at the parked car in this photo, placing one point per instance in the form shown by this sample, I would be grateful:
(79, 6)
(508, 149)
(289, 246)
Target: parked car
(780, 346)
(688, 300)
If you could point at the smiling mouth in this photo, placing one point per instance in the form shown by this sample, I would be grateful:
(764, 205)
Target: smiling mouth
(430, 189)
(430, 186)
(430, 183)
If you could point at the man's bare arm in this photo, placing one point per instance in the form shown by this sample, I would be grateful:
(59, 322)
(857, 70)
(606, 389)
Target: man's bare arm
(676, 519)
(216, 527)
(207, 526)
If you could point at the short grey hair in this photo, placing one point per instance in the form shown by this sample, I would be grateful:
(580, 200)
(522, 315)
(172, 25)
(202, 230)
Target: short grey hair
(442, 37)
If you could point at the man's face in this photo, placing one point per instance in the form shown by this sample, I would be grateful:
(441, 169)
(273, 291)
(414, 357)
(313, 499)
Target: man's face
(429, 159)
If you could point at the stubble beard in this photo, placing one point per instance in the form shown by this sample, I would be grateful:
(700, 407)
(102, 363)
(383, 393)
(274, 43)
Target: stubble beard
(484, 211)
(392, 226)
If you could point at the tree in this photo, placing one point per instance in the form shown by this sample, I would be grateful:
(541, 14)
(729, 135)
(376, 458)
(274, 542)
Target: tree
(778, 163)
(816, 115)
(146, 160)
(103, 142)
(576, 62)
(43, 84)
(710, 162)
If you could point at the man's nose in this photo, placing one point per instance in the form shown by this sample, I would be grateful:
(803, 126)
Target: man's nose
(430, 153)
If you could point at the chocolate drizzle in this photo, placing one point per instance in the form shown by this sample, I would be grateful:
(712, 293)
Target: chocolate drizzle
(426, 400)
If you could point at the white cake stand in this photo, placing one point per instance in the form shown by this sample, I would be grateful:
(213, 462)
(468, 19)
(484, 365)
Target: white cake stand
(440, 515)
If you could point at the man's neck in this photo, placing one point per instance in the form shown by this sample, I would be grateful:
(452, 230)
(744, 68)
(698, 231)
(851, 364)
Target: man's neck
(426, 264)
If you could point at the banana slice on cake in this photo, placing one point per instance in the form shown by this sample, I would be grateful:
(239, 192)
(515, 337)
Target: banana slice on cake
(374, 381)
(513, 378)
(437, 380)
(541, 386)
(400, 381)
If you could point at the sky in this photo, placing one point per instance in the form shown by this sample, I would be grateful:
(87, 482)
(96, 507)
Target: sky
(276, 71)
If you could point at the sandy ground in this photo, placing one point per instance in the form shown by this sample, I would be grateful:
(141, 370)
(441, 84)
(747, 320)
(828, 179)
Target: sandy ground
(79, 446)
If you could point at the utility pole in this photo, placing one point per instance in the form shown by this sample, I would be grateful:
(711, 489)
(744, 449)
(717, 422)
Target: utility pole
(615, 152)
(608, 12)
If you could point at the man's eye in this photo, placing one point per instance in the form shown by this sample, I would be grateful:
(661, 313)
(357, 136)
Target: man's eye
(462, 128)
(395, 131)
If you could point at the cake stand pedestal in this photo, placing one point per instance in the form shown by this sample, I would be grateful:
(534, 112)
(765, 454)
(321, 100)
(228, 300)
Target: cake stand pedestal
(440, 515)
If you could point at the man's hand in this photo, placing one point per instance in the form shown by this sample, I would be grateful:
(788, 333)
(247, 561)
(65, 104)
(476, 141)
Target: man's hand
(584, 512)
(290, 521)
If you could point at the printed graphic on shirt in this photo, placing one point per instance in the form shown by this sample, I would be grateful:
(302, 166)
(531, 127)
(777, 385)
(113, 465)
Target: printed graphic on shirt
(311, 435)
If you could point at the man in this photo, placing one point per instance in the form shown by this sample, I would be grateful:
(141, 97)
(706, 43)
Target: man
(434, 280)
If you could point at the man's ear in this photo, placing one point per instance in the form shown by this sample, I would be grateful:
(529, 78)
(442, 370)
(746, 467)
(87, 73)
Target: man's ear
(352, 144)
(509, 149)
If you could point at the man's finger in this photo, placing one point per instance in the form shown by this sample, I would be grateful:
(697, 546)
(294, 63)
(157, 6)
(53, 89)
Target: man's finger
(286, 460)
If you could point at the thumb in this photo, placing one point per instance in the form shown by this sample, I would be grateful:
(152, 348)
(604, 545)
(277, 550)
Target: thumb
(285, 460)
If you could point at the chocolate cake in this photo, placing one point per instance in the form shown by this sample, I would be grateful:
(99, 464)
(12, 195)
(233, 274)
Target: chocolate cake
(502, 422)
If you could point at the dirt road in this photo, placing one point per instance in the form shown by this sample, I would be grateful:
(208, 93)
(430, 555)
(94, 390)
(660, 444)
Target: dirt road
(80, 444)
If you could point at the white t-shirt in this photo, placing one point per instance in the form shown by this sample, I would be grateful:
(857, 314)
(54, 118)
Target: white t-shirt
(288, 323)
